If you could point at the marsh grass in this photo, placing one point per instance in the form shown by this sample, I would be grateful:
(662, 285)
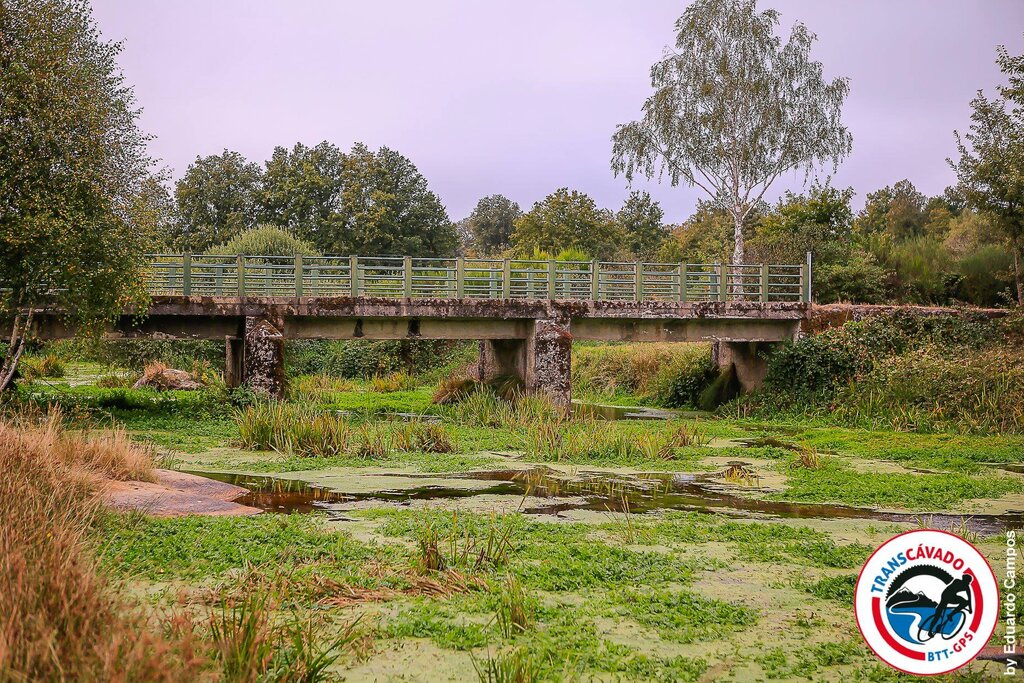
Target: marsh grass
(318, 388)
(466, 547)
(513, 615)
(306, 431)
(585, 439)
(396, 381)
(254, 643)
(38, 367)
(515, 666)
(62, 618)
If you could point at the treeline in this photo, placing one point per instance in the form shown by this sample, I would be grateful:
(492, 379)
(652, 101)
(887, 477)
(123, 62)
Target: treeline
(902, 246)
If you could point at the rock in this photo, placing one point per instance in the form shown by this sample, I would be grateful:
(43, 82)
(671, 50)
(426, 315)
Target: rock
(167, 378)
(174, 494)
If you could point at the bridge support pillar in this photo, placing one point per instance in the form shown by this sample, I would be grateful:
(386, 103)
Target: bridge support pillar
(263, 352)
(749, 360)
(541, 361)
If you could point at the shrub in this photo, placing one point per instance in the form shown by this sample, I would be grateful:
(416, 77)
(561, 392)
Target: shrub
(265, 240)
(859, 279)
(818, 365)
(396, 381)
(36, 367)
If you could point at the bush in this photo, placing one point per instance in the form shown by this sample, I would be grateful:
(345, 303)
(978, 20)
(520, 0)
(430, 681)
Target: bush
(265, 240)
(859, 280)
(817, 366)
(36, 367)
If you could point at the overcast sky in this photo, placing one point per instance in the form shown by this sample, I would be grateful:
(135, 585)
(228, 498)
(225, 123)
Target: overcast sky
(520, 97)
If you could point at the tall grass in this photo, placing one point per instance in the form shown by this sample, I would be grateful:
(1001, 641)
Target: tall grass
(305, 431)
(669, 374)
(586, 439)
(60, 619)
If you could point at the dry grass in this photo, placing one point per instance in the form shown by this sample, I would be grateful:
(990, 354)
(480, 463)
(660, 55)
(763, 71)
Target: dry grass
(60, 619)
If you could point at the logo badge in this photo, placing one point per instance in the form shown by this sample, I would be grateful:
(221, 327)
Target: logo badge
(927, 602)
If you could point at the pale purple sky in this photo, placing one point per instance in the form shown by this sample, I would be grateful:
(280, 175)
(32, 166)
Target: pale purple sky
(521, 97)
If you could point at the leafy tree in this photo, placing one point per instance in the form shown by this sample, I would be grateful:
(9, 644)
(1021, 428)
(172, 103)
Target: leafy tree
(734, 109)
(820, 222)
(641, 217)
(302, 189)
(991, 164)
(568, 220)
(899, 211)
(217, 198)
(705, 237)
(491, 224)
(74, 226)
(386, 208)
(266, 240)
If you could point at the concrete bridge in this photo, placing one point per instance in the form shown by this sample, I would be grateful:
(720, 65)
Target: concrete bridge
(524, 313)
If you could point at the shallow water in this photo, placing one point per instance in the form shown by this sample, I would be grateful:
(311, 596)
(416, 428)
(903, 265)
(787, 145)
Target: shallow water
(584, 490)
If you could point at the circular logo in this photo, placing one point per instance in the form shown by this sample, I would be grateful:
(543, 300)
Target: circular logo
(927, 602)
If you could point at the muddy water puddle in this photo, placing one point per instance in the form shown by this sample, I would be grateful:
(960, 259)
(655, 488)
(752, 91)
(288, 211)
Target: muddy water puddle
(546, 491)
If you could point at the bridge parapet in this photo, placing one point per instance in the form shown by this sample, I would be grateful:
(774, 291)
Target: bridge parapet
(471, 278)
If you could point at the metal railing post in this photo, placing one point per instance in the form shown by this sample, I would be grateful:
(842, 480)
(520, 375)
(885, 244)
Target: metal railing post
(460, 277)
(682, 282)
(240, 272)
(806, 280)
(723, 281)
(353, 274)
(506, 279)
(186, 275)
(595, 280)
(299, 272)
(407, 276)
(638, 281)
(764, 282)
(551, 278)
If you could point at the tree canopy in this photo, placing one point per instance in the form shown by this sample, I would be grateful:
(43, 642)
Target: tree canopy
(641, 218)
(76, 215)
(991, 164)
(568, 220)
(217, 198)
(302, 190)
(491, 224)
(733, 109)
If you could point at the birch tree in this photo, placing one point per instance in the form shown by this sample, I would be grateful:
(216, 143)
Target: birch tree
(76, 210)
(734, 109)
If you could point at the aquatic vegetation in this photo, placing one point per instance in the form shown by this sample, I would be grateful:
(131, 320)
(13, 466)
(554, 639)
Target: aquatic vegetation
(38, 367)
(511, 667)
(428, 437)
(395, 381)
(513, 615)
(318, 388)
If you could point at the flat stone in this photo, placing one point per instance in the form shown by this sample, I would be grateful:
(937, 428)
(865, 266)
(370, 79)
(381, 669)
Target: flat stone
(199, 486)
(176, 494)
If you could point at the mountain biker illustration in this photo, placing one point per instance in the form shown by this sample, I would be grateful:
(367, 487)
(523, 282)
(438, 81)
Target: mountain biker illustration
(952, 600)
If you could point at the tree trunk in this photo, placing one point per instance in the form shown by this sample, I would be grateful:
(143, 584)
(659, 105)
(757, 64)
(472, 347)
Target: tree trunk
(1017, 274)
(14, 350)
(737, 252)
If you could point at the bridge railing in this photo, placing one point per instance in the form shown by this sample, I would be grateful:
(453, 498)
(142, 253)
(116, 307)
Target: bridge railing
(398, 276)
